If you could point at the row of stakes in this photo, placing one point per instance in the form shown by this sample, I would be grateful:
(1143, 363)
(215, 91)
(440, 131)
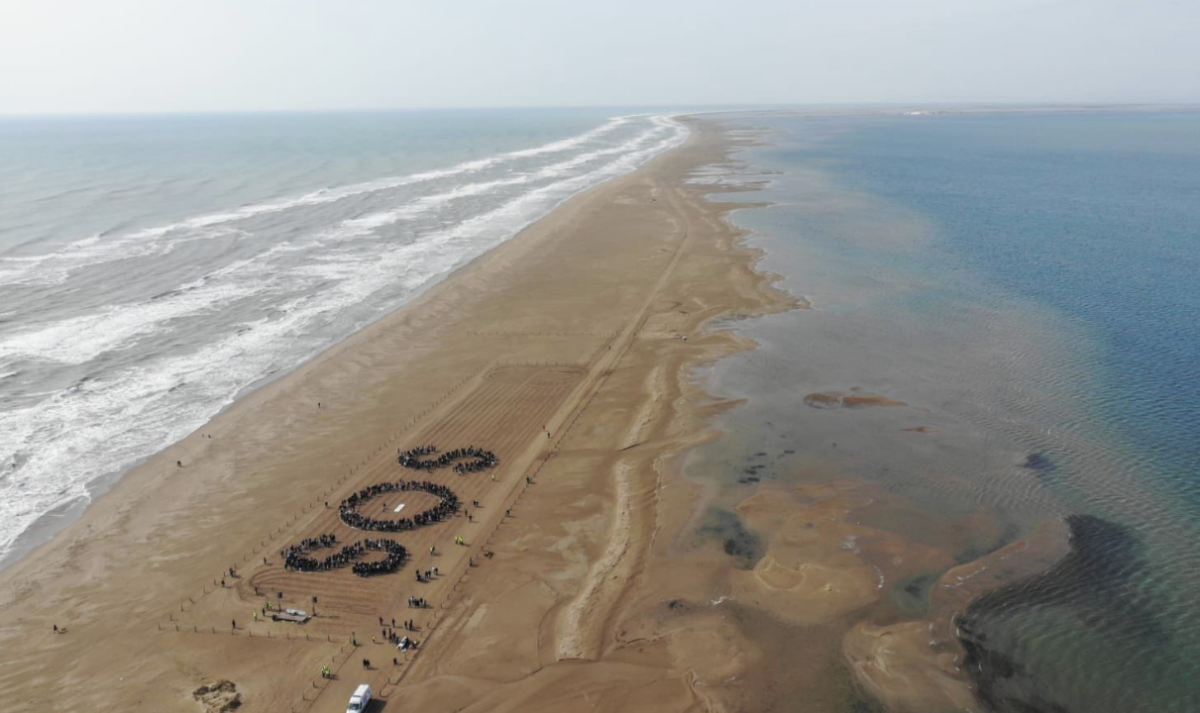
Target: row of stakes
(449, 596)
(551, 334)
(353, 470)
(340, 481)
(437, 615)
(249, 633)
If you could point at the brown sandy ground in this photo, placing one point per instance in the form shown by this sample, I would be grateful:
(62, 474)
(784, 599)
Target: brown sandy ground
(575, 325)
(599, 594)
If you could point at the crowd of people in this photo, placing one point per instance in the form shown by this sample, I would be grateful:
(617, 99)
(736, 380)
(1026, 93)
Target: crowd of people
(446, 507)
(297, 557)
(300, 557)
(402, 642)
(396, 554)
(411, 458)
(480, 459)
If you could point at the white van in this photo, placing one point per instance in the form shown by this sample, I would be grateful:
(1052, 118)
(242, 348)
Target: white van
(360, 699)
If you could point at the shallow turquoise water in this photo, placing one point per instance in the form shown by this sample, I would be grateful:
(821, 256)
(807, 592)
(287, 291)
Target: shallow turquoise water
(1029, 283)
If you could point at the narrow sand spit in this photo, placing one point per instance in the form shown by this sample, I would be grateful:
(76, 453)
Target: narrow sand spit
(543, 351)
(579, 583)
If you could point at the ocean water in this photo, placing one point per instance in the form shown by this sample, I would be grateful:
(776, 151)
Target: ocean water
(1029, 285)
(152, 269)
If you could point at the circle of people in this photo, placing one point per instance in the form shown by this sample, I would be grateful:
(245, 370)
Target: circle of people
(481, 459)
(447, 506)
(297, 557)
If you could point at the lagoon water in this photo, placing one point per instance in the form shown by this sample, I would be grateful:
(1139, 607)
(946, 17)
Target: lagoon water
(152, 269)
(1029, 285)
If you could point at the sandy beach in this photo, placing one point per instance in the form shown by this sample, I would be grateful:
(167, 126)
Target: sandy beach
(420, 357)
(575, 575)
(563, 351)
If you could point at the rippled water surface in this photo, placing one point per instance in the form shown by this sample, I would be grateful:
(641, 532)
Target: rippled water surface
(1028, 285)
(154, 268)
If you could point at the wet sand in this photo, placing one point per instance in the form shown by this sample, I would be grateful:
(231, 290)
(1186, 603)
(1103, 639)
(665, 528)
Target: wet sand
(588, 579)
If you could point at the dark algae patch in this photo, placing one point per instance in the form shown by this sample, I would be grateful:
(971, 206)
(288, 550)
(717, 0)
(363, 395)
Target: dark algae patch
(912, 595)
(1096, 586)
(736, 540)
(1038, 462)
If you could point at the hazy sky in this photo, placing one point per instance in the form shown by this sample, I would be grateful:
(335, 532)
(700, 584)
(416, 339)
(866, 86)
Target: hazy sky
(212, 55)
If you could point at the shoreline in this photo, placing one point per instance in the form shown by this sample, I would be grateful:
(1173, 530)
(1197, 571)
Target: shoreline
(588, 574)
(165, 525)
(51, 523)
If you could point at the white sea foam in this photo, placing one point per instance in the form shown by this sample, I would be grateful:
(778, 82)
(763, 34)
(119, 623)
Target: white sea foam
(54, 267)
(327, 277)
(80, 339)
(358, 226)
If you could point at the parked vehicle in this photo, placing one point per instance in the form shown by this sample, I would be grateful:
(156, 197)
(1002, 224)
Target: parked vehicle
(360, 699)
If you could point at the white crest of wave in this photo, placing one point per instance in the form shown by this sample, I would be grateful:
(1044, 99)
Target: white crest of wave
(55, 267)
(53, 448)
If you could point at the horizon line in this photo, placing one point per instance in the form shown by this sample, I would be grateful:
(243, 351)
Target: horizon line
(679, 109)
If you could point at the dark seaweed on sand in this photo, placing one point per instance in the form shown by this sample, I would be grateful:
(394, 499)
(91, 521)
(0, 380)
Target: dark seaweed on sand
(736, 540)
